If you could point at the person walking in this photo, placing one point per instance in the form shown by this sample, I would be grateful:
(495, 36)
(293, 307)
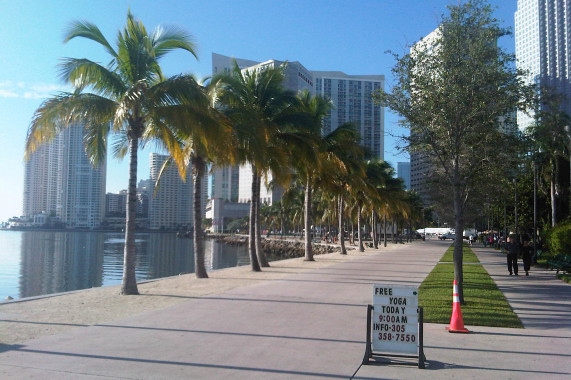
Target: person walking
(512, 249)
(527, 253)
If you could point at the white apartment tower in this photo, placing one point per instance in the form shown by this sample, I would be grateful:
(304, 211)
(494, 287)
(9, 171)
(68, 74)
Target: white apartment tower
(353, 102)
(352, 96)
(420, 168)
(542, 38)
(60, 179)
(171, 204)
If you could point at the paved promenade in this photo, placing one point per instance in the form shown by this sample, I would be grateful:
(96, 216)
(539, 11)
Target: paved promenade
(310, 324)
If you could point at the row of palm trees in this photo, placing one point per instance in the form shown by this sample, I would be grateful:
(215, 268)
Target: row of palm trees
(235, 118)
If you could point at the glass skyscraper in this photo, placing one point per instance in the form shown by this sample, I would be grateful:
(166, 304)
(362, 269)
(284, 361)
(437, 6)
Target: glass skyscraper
(60, 180)
(542, 47)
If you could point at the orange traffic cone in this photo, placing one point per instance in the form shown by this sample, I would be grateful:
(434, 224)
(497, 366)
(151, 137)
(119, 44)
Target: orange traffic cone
(456, 322)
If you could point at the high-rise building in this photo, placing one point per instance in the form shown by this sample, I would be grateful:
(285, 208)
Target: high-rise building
(171, 203)
(542, 47)
(352, 96)
(420, 167)
(403, 171)
(60, 180)
(352, 99)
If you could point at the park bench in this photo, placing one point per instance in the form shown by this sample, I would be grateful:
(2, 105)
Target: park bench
(560, 263)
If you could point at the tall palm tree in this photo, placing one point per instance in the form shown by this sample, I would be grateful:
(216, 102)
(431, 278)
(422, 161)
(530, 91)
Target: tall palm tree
(257, 104)
(341, 165)
(128, 97)
(307, 163)
(206, 138)
(551, 142)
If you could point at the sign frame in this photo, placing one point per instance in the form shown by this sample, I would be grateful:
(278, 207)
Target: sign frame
(400, 294)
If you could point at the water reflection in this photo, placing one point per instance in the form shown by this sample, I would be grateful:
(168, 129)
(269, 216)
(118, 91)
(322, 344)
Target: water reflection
(53, 262)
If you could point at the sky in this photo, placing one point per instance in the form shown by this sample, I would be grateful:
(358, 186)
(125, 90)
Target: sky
(353, 36)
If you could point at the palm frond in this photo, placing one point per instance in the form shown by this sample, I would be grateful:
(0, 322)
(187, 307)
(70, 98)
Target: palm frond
(82, 73)
(90, 31)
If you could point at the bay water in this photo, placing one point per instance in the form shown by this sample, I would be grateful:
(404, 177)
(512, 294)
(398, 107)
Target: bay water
(34, 263)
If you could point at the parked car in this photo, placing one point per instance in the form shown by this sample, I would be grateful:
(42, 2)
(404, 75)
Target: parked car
(447, 236)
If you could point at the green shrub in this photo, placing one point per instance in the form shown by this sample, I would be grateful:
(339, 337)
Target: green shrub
(559, 241)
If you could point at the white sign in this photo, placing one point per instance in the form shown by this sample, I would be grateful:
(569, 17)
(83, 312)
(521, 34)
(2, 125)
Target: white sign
(395, 319)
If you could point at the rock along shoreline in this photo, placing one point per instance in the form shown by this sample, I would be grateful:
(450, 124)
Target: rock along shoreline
(277, 248)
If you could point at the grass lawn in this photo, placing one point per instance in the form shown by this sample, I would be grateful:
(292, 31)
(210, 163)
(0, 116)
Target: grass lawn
(485, 303)
(468, 255)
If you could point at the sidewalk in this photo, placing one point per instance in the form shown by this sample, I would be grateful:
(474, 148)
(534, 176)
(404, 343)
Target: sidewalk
(308, 325)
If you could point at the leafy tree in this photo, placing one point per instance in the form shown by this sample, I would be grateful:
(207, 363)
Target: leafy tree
(306, 162)
(258, 106)
(129, 98)
(551, 143)
(206, 138)
(454, 93)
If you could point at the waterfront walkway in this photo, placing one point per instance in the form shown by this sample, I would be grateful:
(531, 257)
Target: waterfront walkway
(310, 324)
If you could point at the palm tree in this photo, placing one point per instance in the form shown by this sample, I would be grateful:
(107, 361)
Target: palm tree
(341, 165)
(307, 163)
(257, 104)
(128, 97)
(207, 138)
(551, 142)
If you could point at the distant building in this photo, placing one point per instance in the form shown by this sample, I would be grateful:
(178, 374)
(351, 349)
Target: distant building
(420, 166)
(352, 96)
(353, 102)
(60, 180)
(116, 203)
(171, 205)
(542, 47)
(403, 171)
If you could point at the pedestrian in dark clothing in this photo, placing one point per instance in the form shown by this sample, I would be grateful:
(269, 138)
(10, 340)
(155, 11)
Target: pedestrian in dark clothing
(527, 255)
(512, 249)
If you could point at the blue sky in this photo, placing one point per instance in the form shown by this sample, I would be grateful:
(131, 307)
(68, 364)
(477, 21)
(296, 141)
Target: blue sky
(346, 35)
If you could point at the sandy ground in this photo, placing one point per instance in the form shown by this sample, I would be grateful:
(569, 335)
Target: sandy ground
(22, 320)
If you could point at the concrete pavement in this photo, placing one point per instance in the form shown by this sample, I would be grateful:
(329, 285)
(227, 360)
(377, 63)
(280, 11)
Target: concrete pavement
(309, 325)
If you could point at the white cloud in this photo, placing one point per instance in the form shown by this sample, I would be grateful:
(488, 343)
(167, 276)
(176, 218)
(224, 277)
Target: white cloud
(9, 89)
(7, 94)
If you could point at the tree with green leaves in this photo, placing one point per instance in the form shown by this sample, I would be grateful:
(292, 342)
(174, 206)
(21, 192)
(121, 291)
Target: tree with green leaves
(206, 138)
(550, 143)
(258, 106)
(306, 158)
(129, 98)
(456, 94)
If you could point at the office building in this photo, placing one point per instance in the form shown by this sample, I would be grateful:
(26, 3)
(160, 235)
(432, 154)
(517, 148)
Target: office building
(403, 171)
(542, 47)
(352, 99)
(420, 166)
(60, 180)
(172, 202)
(352, 96)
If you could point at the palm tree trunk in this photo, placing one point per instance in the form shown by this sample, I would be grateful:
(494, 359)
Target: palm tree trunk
(359, 227)
(385, 227)
(341, 229)
(199, 267)
(308, 250)
(375, 236)
(252, 227)
(129, 281)
(262, 260)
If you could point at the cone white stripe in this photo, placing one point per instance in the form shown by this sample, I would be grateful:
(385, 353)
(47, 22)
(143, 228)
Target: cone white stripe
(456, 298)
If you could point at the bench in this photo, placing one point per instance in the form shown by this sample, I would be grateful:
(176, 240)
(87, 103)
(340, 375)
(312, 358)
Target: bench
(560, 262)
